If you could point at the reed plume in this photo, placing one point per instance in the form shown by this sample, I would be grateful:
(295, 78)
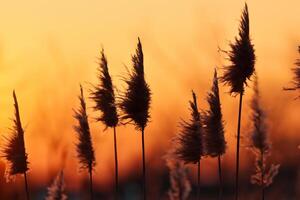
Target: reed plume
(189, 146)
(135, 102)
(104, 97)
(84, 147)
(57, 190)
(180, 186)
(240, 70)
(14, 152)
(296, 78)
(214, 141)
(260, 145)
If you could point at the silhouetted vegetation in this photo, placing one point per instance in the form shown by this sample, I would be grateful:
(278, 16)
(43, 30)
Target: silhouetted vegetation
(14, 152)
(296, 78)
(136, 101)
(57, 190)
(215, 145)
(84, 147)
(240, 70)
(260, 145)
(200, 136)
(189, 147)
(105, 102)
(180, 186)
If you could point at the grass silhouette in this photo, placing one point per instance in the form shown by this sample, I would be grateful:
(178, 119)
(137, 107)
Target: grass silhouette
(14, 152)
(135, 102)
(214, 140)
(235, 75)
(84, 147)
(296, 78)
(188, 147)
(104, 97)
(260, 145)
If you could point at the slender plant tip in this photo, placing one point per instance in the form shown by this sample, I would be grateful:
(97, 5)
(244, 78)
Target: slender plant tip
(135, 102)
(14, 152)
(189, 146)
(57, 190)
(84, 147)
(242, 58)
(214, 140)
(103, 95)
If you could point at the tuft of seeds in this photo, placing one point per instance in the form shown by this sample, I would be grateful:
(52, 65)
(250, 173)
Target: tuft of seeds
(14, 152)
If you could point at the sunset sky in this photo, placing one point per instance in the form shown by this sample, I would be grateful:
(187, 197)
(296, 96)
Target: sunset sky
(47, 48)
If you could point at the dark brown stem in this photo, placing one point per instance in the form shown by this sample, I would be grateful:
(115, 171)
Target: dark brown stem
(238, 149)
(116, 166)
(220, 178)
(26, 186)
(198, 188)
(144, 166)
(262, 176)
(91, 183)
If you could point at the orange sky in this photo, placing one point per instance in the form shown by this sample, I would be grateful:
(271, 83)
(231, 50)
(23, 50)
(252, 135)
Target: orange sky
(48, 47)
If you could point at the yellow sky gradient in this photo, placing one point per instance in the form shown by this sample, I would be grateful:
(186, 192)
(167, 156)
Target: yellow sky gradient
(48, 47)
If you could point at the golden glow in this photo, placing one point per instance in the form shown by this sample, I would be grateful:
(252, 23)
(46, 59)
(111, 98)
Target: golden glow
(48, 47)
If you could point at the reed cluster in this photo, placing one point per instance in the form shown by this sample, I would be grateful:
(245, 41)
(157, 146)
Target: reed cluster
(200, 136)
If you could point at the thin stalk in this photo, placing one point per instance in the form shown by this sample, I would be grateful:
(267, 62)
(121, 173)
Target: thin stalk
(262, 177)
(144, 166)
(116, 166)
(91, 184)
(198, 188)
(238, 149)
(26, 186)
(220, 178)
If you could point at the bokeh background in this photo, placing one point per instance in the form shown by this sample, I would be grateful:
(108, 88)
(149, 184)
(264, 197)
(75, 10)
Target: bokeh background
(47, 48)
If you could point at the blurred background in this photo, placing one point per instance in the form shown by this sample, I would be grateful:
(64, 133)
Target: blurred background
(47, 48)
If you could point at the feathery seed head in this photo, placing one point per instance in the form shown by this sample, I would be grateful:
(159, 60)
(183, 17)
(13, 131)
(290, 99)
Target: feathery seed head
(261, 146)
(259, 130)
(189, 141)
(263, 175)
(84, 147)
(214, 141)
(297, 72)
(14, 151)
(296, 78)
(103, 95)
(242, 58)
(135, 102)
(180, 186)
(57, 190)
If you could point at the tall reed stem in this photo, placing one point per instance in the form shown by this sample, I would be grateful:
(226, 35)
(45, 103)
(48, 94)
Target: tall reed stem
(262, 177)
(116, 166)
(144, 166)
(238, 149)
(220, 178)
(198, 188)
(26, 186)
(91, 184)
